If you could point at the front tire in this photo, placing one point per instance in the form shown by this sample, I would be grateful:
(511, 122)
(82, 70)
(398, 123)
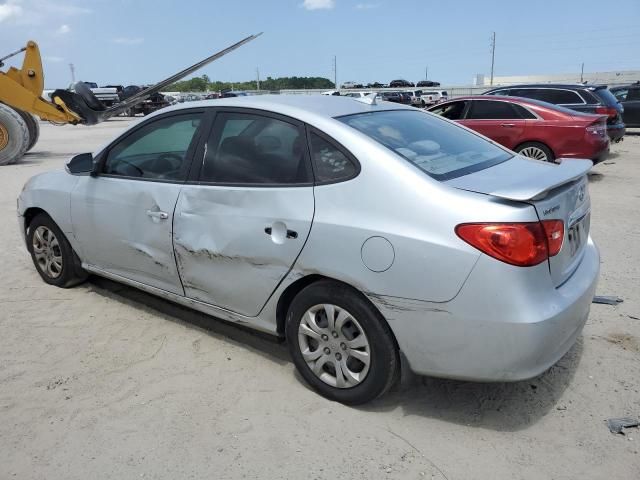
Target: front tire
(52, 254)
(537, 151)
(14, 135)
(341, 344)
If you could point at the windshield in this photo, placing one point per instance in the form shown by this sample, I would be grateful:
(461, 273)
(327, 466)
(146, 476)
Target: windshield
(441, 149)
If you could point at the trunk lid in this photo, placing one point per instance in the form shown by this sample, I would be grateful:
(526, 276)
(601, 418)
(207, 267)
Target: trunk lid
(556, 191)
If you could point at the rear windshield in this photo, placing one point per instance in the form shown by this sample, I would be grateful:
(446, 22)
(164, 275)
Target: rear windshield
(606, 96)
(439, 148)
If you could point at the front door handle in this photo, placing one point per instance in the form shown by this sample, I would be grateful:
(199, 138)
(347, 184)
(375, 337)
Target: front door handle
(158, 215)
(508, 125)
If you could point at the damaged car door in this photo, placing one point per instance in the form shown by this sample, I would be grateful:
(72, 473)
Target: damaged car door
(122, 214)
(242, 221)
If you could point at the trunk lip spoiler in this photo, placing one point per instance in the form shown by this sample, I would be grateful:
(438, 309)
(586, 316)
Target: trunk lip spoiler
(531, 188)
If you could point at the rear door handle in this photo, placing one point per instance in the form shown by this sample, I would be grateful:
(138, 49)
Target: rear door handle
(508, 125)
(158, 215)
(290, 233)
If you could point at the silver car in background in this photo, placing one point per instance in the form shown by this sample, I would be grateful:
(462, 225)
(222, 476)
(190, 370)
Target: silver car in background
(358, 230)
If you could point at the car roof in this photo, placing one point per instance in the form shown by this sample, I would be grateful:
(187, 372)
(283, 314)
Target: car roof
(303, 107)
(631, 85)
(551, 85)
(519, 100)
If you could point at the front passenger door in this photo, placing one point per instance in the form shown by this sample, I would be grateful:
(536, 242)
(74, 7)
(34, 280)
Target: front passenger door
(123, 217)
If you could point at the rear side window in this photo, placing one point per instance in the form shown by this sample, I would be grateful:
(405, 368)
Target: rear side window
(634, 94)
(441, 149)
(488, 110)
(253, 149)
(523, 112)
(589, 97)
(330, 163)
(564, 96)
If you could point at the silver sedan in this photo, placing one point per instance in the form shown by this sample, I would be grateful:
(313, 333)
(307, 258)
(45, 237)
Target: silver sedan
(360, 231)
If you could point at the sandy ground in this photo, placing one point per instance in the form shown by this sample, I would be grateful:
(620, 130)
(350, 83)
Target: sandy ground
(102, 381)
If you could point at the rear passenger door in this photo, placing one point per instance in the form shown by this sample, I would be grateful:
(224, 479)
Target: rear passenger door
(498, 120)
(245, 214)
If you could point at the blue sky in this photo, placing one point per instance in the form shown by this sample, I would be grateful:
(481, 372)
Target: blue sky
(143, 41)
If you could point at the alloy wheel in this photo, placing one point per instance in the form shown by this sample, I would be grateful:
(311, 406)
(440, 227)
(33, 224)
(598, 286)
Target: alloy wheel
(535, 153)
(47, 252)
(334, 346)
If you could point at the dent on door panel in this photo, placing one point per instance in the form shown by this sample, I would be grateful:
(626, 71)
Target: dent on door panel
(224, 254)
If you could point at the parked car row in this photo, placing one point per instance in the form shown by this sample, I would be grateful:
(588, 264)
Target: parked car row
(418, 98)
(400, 83)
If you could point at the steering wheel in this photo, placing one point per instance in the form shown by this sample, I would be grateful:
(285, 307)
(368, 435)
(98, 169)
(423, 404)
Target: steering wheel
(135, 167)
(173, 158)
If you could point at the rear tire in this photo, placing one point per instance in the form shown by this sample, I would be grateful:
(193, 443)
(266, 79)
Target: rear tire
(352, 358)
(14, 135)
(537, 151)
(34, 128)
(52, 254)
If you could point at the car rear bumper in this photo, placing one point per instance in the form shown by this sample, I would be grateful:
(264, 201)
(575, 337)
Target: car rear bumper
(616, 131)
(509, 330)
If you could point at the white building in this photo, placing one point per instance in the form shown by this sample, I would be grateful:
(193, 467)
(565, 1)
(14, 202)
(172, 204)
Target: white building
(606, 78)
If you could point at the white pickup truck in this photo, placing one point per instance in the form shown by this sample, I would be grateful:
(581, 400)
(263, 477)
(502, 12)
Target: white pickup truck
(426, 98)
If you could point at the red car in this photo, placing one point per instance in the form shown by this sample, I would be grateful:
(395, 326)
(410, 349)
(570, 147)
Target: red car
(532, 128)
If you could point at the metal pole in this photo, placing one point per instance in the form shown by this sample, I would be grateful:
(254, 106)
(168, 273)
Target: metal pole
(426, 73)
(257, 79)
(73, 73)
(493, 54)
(335, 73)
(582, 73)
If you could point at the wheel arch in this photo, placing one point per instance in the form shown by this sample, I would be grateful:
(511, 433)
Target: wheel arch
(30, 213)
(289, 293)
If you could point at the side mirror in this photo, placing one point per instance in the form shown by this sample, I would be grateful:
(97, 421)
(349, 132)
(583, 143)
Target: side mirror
(82, 163)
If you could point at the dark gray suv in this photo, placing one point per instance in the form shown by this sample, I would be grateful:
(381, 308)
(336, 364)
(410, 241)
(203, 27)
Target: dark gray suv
(629, 97)
(582, 98)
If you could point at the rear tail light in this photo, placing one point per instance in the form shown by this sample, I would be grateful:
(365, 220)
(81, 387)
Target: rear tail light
(597, 128)
(520, 244)
(610, 112)
(554, 229)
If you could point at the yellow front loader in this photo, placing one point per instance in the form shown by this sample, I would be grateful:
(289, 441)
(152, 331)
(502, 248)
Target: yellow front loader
(21, 99)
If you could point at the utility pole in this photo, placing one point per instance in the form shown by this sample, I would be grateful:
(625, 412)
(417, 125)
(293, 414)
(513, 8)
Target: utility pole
(335, 73)
(73, 73)
(426, 72)
(493, 54)
(582, 73)
(257, 79)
